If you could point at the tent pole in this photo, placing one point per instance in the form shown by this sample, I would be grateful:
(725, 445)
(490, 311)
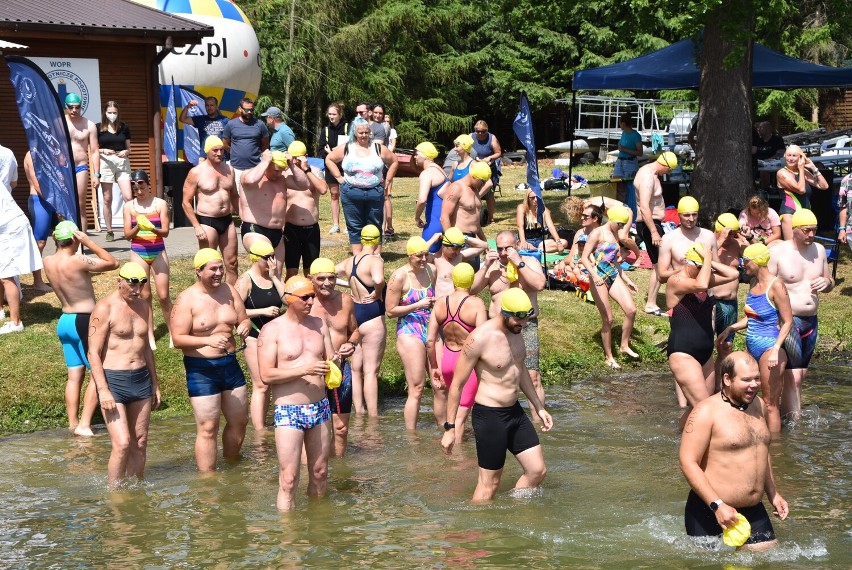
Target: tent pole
(571, 138)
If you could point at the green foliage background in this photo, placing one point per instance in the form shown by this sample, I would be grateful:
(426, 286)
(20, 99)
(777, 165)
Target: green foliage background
(438, 64)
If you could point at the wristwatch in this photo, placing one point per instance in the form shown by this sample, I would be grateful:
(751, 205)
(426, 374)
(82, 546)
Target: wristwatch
(448, 426)
(97, 174)
(714, 506)
(522, 264)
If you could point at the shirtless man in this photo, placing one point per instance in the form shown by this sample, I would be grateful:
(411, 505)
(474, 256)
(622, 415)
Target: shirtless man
(496, 351)
(456, 247)
(70, 274)
(802, 265)
(505, 269)
(649, 218)
(292, 354)
(263, 203)
(338, 313)
(84, 146)
(203, 320)
(123, 370)
(730, 245)
(212, 182)
(302, 231)
(462, 204)
(724, 455)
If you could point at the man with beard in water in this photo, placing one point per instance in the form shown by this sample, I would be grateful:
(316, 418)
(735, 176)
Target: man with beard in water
(496, 350)
(724, 455)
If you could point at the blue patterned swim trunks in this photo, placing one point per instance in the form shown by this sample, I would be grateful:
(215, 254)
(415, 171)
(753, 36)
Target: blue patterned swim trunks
(302, 416)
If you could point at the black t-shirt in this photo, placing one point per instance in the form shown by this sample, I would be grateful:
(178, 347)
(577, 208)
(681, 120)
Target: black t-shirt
(767, 149)
(114, 141)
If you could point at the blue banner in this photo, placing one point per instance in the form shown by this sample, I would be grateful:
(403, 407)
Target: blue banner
(191, 141)
(170, 127)
(47, 135)
(523, 130)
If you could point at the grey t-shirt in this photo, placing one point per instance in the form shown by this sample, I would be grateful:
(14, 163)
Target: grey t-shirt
(246, 140)
(381, 133)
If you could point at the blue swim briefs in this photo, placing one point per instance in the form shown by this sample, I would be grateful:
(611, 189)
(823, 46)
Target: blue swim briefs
(302, 416)
(211, 376)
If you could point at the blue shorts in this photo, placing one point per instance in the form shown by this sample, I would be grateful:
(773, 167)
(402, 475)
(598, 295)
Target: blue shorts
(340, 398)
(801, 342)
(302, 416)
(43, 217)
(211, 376)
(73, 332)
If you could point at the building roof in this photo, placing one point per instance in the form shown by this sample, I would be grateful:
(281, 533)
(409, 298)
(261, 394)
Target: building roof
(104, 17)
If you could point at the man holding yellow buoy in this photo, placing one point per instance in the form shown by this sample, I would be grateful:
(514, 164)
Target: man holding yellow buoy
(724, 455)
(293, 357)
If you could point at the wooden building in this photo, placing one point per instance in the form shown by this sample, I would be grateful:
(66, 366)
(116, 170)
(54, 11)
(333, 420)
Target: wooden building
(124, 37)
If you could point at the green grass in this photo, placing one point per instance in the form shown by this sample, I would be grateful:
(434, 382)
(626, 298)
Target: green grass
(32, 378)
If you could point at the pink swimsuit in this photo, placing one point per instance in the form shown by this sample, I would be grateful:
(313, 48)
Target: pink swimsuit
(450, 357)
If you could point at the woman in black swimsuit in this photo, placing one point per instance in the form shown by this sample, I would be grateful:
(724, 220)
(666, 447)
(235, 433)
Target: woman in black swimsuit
(365, 273)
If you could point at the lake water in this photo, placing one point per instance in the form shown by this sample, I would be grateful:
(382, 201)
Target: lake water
(613, 497)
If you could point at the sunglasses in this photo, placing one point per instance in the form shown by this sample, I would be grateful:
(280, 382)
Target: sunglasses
(244, 110)
(807, 230)
(517, 314)
(586, 216)
(72, 107)
(480, 132)
(136, 280)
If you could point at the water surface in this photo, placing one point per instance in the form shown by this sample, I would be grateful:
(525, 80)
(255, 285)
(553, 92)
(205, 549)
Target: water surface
(613, 497)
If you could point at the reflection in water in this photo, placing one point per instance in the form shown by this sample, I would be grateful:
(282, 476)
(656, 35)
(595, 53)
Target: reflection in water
(614, 495)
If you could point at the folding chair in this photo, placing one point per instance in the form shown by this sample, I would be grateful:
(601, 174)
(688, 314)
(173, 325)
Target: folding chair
(832, 252)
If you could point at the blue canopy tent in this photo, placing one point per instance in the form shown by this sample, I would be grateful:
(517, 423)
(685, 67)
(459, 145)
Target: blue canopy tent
(674, 67)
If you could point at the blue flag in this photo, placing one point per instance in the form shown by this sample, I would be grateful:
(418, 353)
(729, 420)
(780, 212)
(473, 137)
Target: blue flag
(47, 135)
(523, 130)
(170, 127)
(191, 141)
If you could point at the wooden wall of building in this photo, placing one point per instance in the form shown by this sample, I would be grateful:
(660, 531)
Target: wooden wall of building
(125, 77)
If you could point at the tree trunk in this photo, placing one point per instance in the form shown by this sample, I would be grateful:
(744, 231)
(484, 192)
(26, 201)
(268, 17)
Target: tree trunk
(290, 57)
(723, 173)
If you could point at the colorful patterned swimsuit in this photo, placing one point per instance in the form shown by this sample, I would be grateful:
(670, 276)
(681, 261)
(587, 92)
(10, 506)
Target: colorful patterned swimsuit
(605, 256)
(416, 322)
(147, 244)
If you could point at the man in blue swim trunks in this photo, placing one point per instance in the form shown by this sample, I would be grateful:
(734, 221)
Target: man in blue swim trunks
(124, 372)
(203, 320)
(724, 455)
(338, 312)
(84, 147)
(292, 355)
(802, 265)
(70, 274)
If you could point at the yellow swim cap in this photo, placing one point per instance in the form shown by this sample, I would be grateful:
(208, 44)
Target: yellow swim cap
(144, 223)
(515, 300)
(204, 256)
(212, 142)
(334, 376)
(279, 159)
(297, 148)
(480, 170)
(727, 220)
(738, 534)
(619, 214)
(511, 272)
(668, 158)
(695, 254)
(65, 230)
(297, 286)
(132, 270)
(428, 150)
(463, 275)
(323, 265)
(260, 248)
(370, 234)
(758, 253)
(687, 205)
(453, 236)
(804, 217)
(465, 141)
(416, 244)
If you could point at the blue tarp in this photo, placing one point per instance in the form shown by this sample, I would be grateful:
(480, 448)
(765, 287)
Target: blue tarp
(674, 67)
